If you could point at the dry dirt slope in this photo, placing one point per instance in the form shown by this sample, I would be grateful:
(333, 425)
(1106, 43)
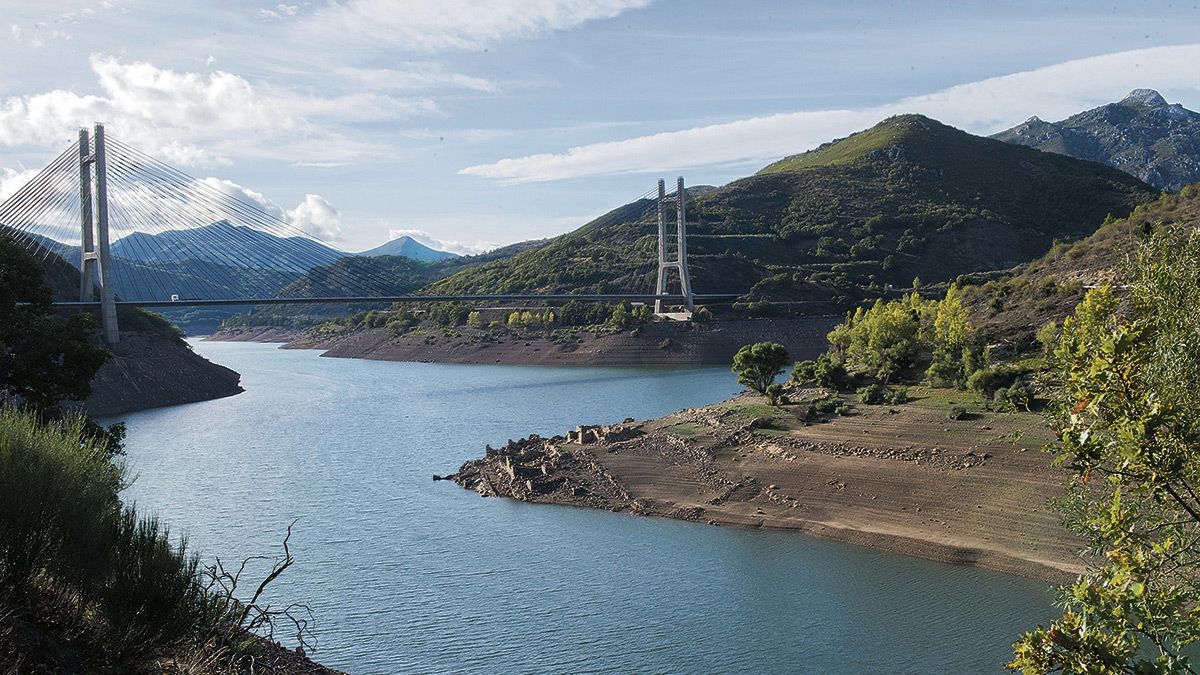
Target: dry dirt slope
(901, 478)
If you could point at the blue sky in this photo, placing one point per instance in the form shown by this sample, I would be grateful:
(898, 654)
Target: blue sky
(482, 123)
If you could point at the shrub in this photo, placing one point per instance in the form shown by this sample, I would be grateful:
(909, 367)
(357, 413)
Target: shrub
(826, 371)
(1047, 336)
(475, 320)
(58, 499)
(448, 314)
(702, 314)
(897, 396)
(872, 394)
(986, 381)
(956, 412)
(576, 313)
(152, 597)
(761, 309)
(1017, 396)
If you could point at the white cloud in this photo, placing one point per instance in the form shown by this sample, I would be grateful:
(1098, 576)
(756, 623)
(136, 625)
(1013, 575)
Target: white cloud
(12, 180)
(987, 106)
(279, 11)
(201, 119)
(419, 78)
(438, 25)
(314, 216)
(460, 247)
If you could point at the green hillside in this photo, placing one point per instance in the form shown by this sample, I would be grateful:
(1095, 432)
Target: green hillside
(356, 276)
(908, 197)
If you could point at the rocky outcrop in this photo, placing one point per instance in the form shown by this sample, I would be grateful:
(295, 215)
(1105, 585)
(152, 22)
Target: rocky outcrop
(537, 469)
(151, 371)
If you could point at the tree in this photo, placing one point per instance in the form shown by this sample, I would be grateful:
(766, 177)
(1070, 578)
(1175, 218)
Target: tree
(758, 365)
(1126, 405)
(44, 358)
(884, 339)
(956, 354)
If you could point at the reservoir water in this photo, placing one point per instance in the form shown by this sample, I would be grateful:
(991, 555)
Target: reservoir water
(408, 575)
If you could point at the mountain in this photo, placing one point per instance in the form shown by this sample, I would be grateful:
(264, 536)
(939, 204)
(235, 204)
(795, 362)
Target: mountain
(348, 277)
(408, 247)
(907, 197)
(1141, 134)
(1010, 309)
(235, 246)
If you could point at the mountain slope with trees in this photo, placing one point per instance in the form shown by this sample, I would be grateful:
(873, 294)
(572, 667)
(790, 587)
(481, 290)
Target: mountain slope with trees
(1009, 310)
(908, 197)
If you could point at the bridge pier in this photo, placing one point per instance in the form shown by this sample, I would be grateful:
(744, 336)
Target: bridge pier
(95, 261)
(679, 263)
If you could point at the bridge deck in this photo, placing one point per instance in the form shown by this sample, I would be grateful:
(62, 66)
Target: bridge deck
(613, 297)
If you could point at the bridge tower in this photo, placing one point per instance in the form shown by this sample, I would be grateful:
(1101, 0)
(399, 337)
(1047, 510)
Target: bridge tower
(95, 262)
(679, 262)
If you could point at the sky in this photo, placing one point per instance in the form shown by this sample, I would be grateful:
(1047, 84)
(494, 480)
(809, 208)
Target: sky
(471, 124)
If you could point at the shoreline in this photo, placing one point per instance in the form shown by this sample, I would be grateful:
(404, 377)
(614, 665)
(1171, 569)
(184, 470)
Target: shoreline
(962, 497)
(657, 344)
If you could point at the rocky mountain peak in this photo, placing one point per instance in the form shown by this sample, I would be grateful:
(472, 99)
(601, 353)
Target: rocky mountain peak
(1146, 97)
(1141, 134)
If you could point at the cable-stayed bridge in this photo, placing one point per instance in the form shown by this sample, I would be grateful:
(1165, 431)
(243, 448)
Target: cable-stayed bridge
(144, 233)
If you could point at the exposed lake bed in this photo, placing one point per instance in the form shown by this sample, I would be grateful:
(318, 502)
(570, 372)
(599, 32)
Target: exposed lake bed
(409, 575)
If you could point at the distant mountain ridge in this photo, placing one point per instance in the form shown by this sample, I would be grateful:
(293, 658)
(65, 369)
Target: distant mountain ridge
(407, 247)
(240, 246)
(908, 197)
(1141, 134)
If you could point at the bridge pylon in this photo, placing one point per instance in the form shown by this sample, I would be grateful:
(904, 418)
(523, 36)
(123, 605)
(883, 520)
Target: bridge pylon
(679, 261)
(95, 260)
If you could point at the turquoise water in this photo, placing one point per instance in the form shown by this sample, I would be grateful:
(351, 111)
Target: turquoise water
(409, 575)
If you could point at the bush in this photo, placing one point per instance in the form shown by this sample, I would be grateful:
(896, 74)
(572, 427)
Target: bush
(761, 309)
(1019, 396)
(624, 316)
(876, 394)
(956, 412)
(448, 314)
(576, 313)
(152, 597)
(826, 371)
(702, 314)
(62, 527)
(987, 381)
(58, 499)
(872, 394)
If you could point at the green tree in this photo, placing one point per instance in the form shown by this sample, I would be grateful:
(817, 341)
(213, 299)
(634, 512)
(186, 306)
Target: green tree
(1127, 410)
(44, 358)
(883, 339)
(758, 365)
(956, 352)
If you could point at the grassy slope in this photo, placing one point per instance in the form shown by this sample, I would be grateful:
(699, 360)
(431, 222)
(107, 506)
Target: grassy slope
(908, 197)
(1010, 309)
